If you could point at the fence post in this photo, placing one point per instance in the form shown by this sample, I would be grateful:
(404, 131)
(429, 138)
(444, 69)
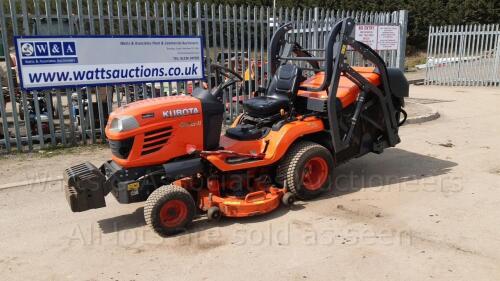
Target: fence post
(10, 79)
(497, 62)
(460, 55)
(427, 59)
(316, 27)
(403, 23)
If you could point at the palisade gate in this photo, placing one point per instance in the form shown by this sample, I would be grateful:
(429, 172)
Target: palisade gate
(463, 55)
(234, 36)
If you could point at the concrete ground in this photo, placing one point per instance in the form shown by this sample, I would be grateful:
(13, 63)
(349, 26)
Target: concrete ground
(426, 210)
(415, 75)
(418, 112)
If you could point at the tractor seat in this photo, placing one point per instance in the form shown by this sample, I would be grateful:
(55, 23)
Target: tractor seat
(246, 132)
(264, 106)
(282, 88)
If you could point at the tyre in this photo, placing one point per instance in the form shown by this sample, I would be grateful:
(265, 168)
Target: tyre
(214, 214)
(288, 199)
(169, 210)
(307, 170)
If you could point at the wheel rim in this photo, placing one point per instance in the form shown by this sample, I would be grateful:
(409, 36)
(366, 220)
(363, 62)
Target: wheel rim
(173, 213)
(315, 173)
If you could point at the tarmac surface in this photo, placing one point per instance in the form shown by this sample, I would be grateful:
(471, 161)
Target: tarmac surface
(425, 210)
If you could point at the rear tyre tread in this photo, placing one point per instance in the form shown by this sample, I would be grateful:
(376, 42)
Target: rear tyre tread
(286, 170)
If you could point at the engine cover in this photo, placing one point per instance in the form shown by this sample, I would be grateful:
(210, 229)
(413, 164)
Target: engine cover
(166, 127)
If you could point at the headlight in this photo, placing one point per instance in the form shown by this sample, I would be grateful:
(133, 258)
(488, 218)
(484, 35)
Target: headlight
(123, 124)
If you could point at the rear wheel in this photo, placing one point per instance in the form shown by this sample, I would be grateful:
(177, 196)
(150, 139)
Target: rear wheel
(307, 170)
(169, 210)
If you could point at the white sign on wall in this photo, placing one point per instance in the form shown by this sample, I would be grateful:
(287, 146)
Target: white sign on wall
(378, 37)
(388, 37)
(51, 62)
(367, 34)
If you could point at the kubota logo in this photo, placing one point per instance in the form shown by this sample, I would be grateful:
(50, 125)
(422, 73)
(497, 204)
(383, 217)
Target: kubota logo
(180, 112)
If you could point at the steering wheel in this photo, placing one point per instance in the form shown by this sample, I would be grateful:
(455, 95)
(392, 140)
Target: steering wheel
(221, 72)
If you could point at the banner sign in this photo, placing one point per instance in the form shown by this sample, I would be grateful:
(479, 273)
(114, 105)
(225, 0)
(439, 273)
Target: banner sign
(378, 37)
(56, 62)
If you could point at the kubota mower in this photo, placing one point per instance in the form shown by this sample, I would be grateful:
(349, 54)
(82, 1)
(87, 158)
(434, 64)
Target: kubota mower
(169, 151)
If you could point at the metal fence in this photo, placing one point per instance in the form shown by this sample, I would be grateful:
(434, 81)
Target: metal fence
(463, 55)
(234, 36)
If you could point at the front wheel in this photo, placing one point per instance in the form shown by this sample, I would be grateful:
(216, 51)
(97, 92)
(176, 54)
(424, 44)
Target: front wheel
(169, 210)
(307, 170)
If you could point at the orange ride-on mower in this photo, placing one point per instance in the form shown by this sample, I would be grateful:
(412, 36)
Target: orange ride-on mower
(169, 151)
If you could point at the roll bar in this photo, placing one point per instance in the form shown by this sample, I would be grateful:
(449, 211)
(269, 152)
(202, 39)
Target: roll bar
(278, 44)
(334, 66)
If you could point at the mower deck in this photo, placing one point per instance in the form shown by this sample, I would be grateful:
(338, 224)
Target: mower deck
(263, 199)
